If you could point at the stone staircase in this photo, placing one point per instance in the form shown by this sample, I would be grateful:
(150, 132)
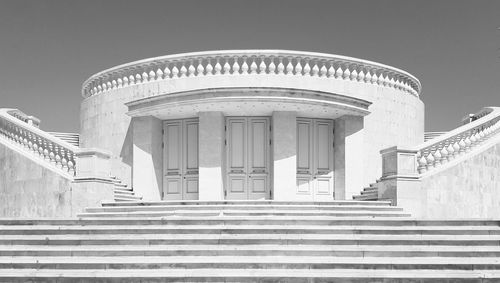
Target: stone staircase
(122, 192)
(249, 241)
(368, 194)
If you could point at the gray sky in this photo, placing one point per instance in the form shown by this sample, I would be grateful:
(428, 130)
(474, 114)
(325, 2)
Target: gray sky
(48, 48)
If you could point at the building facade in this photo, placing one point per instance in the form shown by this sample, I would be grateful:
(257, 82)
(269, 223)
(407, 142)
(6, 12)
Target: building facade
(250, 124)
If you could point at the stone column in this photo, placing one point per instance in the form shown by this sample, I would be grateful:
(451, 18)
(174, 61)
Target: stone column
(349, 169)
(211, 155)
(147, 165)
(284, 131)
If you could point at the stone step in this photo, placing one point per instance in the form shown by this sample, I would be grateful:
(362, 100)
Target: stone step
(255, 207)
(253, 250)
(248, 229)
(250, 239)
(248, 275)
(123, 192)
(367, 197)
(195, 213)
(257, 262)
(370, 192)
(261, 202)
(125, 198)
(256, 220)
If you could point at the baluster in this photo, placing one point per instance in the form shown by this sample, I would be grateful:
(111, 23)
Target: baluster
(200, 69)
(138, 79)
(368, 77)
(175, 72)
(374, 77)
(315, 70)
(468, 144)
(191, 69)
(131, 79)
(289, 67)
(119, 81)
(323, 71)
(391, 82)
(437, 157)
(354, 74)
(361, 75)
(183, 71)
(167, 72)
(253, 66)
(298, 68)
(145, 77)
(339, 73)
(422, 165)
(159, 74)
(218, 66)
(272, 66)
(262, 66)
(236, 66)
(307, 67)
(209, 68)
(444, 155)
(462, 146)
(346, 74)
(331, 70)
(244, 66)
(151, 76)
(451, 152)
(430, 160)
(226, 67)
(281, 67)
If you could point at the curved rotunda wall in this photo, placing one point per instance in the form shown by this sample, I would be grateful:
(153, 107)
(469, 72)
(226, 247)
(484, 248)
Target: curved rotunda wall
(396, 118)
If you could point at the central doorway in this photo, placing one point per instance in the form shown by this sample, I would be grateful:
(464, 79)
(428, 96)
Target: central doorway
(248, 158)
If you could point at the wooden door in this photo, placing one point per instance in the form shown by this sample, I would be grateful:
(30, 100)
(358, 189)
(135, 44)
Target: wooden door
(315, 159)
(248, 157)
(180, 165)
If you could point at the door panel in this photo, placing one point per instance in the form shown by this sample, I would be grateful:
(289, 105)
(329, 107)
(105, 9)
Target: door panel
(180, 157)
(248, 157)
(315, 159)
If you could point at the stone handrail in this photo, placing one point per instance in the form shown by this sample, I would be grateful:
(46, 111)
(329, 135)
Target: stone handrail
(250, 62)
(32, 120)
(443, 149)
(58, 152)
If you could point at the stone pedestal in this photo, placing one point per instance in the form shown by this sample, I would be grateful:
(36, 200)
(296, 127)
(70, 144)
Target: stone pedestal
(147, 169)
(348, 152)
(211, 154)
(284, 155)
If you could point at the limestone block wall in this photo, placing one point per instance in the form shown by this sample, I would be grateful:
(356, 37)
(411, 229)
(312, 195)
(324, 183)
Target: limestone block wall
(28, 189)
(470, 189)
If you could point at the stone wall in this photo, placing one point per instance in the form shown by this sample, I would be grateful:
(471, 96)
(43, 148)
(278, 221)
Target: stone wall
(470, 189)
(29, 189)
(396, 118)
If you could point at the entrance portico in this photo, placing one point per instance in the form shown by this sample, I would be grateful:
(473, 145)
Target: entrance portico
(247, 144)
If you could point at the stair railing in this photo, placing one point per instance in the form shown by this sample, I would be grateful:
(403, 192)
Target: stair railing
(451, 145)
(53, 150)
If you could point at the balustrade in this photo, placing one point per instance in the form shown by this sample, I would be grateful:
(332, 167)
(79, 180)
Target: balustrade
(258, 62)
(458, 142)
(41, 144)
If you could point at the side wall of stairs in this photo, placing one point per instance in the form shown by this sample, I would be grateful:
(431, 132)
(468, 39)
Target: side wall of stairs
(468, 187)
(30, 188)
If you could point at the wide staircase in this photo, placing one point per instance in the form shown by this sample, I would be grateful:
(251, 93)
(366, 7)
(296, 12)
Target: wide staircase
(249, 241)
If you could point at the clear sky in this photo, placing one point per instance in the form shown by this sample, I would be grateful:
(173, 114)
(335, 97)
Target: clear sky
(48, 48)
